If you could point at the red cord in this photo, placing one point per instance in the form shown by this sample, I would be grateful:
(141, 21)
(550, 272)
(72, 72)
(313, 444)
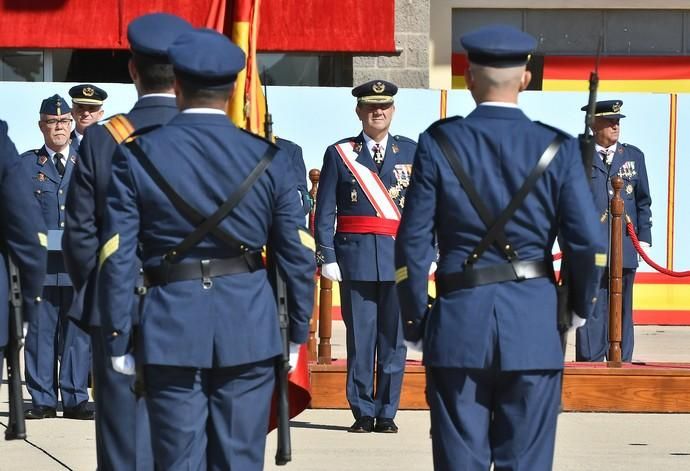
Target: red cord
(650, 262)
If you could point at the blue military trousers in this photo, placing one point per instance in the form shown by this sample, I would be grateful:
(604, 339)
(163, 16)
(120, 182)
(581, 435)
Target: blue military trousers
(212, 419)
(371, 314)
(480, 416)
(123, 437)
(51, 334)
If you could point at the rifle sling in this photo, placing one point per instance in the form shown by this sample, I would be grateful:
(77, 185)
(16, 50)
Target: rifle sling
(495, 232)
(204, 225)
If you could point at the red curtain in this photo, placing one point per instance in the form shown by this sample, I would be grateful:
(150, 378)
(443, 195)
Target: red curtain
(307, 25)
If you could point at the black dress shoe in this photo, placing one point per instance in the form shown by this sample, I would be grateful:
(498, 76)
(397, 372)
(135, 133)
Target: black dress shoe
(80, 412)
(364, 424)
(40, 412)
(385, 426)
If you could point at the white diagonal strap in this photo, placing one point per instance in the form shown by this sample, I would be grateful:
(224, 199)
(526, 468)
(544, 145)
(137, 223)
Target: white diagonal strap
(369, 181)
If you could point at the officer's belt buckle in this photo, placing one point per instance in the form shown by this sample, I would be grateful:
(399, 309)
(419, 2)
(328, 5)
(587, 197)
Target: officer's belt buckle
(206, 280)
(519, 269)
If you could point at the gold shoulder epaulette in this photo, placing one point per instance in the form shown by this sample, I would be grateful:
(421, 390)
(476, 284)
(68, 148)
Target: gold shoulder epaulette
(120, 128)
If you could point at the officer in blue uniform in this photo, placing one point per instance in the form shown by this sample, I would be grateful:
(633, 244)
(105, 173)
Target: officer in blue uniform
(122, 432)
(611, 158)
(51, 333)
(87, 109)
(362, 187)
(299, 170)
(209, 326)
(491, 345)
(23, 236)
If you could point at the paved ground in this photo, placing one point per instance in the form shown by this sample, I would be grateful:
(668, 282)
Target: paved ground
(589, 442)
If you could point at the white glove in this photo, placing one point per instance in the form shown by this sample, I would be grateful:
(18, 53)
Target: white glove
(576, 321)
(645, 246)
(417, 346)
(124, 364)
(432, 268)
(294, 355)
(331, 271)
(25, 328)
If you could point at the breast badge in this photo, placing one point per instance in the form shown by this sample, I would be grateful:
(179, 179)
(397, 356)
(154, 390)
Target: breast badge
(41, 177)
(394, 192)
(629, 189)
(353, 195)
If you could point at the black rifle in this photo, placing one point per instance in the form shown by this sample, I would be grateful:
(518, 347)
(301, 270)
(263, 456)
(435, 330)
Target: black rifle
(586, 140)
(16, 428)
(284, 449)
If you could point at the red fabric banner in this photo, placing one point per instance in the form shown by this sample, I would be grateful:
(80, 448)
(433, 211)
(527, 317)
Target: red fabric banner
(308, 25)
(327, 25)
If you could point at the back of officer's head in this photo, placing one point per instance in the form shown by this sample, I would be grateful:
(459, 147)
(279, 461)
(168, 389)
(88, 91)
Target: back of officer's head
(498, 57)
(149, 38)
(206, 64)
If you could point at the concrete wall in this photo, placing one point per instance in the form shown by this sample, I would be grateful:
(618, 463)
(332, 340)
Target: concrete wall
(409, 66)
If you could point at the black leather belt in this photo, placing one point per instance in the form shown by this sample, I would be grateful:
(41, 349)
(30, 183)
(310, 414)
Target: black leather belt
(515, 271)
(202, 269)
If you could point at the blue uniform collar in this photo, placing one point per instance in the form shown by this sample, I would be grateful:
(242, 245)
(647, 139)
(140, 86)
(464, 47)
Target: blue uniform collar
(497, 112)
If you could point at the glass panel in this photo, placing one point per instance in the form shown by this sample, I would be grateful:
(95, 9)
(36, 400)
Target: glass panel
(21, 66)
(644, 32)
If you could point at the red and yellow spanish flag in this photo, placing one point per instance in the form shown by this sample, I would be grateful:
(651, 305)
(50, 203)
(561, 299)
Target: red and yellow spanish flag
(247, 109)
(658, 74)
(618, 73)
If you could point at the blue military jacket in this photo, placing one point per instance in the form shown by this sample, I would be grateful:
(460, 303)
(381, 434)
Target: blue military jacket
(204, 157)
(51, 192)
(22, 233)
(628, 163)
(466, 328)
(296, 159)
(362, 257)
(86, 198)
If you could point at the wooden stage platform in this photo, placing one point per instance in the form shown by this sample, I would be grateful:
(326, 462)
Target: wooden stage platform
(587, 387)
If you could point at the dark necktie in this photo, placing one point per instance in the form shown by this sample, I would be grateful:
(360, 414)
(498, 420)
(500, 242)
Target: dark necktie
(378, 156)
(58, 163)
(605, 158)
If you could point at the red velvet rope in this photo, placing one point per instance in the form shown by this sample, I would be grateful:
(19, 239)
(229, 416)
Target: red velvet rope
(650, 262)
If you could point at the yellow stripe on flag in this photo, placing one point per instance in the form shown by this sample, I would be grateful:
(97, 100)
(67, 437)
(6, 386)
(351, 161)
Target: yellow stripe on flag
(656, 86)
(660, 297)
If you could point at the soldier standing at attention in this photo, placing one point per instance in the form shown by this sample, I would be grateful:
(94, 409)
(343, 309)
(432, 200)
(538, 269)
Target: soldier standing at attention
(612, 158)
(209, 331)
(361, 195)
(87, 109)
(122, 433)
(51, 332)
(491, 345)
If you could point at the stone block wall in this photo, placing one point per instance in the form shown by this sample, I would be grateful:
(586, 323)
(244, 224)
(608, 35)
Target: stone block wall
(409, 66)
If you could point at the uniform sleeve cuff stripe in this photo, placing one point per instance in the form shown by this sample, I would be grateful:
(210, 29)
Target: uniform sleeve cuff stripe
(400, 274)
(108, 249)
